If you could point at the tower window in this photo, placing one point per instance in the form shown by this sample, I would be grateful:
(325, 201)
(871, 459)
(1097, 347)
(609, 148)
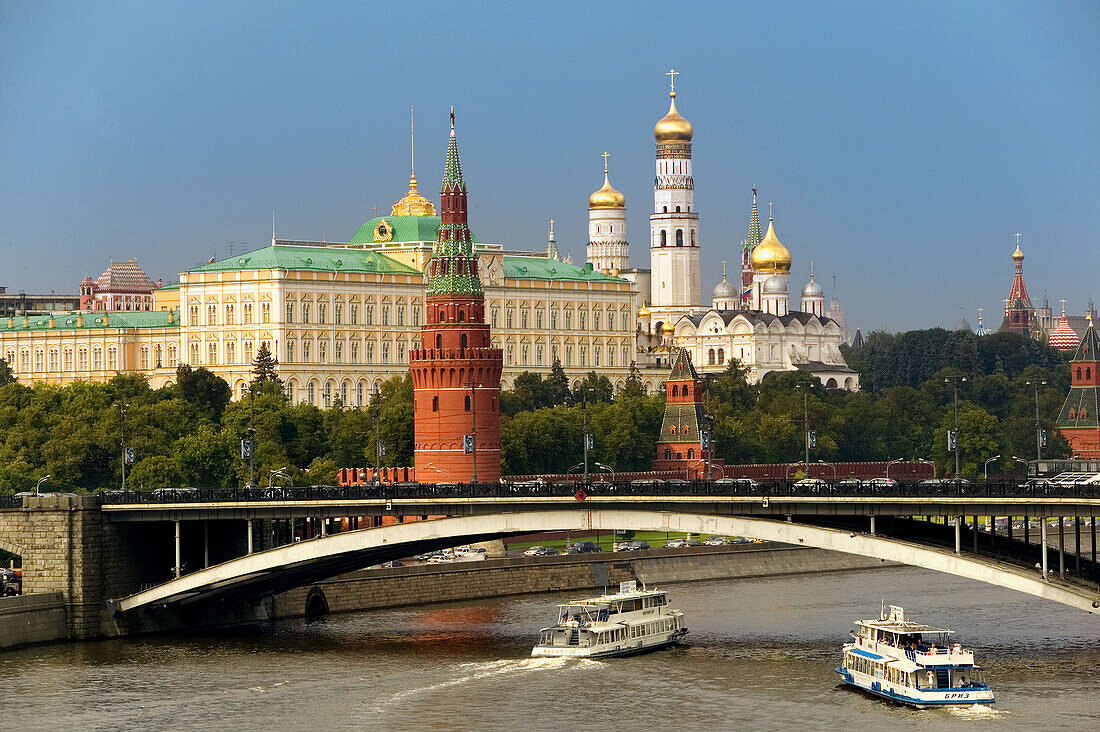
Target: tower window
(442, 317)
(664, 209)
(462, 316)
(693, 237)
(677, 209)
(668, 454)
(439, 341)
(691, 454)
(467, 403)
(463, 339)
(435, 404)
(679, 237)
(664, 240)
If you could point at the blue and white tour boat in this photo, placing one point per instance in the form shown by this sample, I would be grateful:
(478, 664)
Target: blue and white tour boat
(912, 663)
(628, 621)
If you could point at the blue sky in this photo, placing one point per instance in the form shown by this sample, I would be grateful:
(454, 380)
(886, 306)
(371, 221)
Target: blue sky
(903, 144)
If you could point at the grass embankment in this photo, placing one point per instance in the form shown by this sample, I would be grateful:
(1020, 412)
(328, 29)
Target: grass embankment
(607, 540)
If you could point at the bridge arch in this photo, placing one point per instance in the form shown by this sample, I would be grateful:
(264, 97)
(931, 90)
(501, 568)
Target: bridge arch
(303, 563)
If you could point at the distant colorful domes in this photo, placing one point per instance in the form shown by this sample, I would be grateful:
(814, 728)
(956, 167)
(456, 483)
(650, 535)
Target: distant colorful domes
(1063, 337)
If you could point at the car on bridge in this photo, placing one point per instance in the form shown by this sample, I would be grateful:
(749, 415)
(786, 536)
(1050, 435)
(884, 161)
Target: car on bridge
(540, 551)
(717, 541)
(632, 546)
(681, 543)
(584, 547)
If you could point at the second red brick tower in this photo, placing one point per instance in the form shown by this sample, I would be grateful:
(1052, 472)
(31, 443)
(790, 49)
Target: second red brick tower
(455, 372)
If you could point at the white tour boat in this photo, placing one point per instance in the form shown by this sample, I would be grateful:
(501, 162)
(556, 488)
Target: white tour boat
(912, 663)
(629, 621)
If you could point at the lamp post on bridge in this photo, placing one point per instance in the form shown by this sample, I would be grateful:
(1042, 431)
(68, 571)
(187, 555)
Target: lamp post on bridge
(953, 442)
(1038, 428)
(1022, 462)
(985, 470)
(892, 462)
(41, 480)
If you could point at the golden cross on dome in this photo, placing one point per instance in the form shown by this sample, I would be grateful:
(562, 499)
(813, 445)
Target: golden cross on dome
(770, 204)
(671, 74)
(1017, 240)
(1063, 307)
(605, 156)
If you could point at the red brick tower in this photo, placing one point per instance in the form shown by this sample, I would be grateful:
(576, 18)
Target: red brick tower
(679, 446)
(1079, 420)
(455, 372)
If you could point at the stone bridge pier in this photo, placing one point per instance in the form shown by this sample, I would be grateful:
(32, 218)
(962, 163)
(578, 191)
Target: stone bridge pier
(68, 545)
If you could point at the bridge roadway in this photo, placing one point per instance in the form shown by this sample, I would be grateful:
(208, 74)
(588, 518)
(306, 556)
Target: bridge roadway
(840, 517)
(770, 499)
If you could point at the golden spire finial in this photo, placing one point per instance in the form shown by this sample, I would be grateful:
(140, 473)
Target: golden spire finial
(412, 143)
(723, 270)
(605, 156)
(551, 228)
(671, 74)
(770, 204)
(1063, 307)
(452, 120)
(811, 270)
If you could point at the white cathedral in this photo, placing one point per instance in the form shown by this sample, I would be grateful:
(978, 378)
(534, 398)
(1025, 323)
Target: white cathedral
(750, 319)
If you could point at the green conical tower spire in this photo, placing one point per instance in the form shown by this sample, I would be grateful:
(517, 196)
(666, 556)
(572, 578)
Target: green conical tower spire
(453, 267)
(754, 226)
(452, 169)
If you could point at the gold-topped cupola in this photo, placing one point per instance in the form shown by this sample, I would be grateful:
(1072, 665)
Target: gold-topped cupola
(672, 127)
(770, 256)
(413, 204)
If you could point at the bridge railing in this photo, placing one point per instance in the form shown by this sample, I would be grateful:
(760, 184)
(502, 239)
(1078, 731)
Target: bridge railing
(527, 490)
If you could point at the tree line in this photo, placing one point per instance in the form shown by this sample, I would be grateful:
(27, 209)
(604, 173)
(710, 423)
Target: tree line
(189, 433)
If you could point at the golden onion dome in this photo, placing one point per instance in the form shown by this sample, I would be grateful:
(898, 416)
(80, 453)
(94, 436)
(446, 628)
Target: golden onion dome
(606, 197)
(668, 328)
(643, 311)
(770, 256)
(672, 127)
(1018, 255)
(413, 204)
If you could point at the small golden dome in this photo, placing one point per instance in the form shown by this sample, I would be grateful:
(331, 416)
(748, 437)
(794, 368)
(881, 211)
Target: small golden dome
(413, 204)
(668, 328)
(770, 256)
(672, 127)
(643, 311)
(1018, 255)
(606, 197)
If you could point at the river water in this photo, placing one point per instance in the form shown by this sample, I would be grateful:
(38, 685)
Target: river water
(760, 655)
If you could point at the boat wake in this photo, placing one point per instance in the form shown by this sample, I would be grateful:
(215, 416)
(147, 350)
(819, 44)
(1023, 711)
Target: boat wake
(469, 672)
(977, 711)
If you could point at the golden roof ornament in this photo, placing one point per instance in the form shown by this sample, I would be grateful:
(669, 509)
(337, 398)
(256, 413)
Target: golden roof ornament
(770, 256)
(672, 127)
(607, 197)
(413, 204)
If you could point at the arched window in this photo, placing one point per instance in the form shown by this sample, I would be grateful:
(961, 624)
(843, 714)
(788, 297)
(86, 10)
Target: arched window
(668, 454)
(435, 404)
(311, 393)
(664, 209)
(1078, 373)
(677, 209)
(442, 317)
(710, 357)
(674, 389)
(1088, 372)
(672, 430)
(679, 237)
(439, 341)
(691, 454)
(693, 237)
(462, 316)
(463, 340)
(467, 402)
(664, 240)
(721, 355)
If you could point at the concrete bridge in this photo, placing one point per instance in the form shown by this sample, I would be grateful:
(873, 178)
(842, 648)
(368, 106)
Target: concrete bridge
(134, 562)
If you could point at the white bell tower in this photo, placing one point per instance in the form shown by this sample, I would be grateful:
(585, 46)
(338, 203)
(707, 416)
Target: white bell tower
(674, 224)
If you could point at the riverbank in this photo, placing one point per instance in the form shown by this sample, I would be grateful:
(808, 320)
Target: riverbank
(374, 589)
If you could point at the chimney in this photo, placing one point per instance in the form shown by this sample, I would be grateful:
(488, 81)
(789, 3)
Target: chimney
(160, 282)
(80, 321)
(171, 315)
(106, 319)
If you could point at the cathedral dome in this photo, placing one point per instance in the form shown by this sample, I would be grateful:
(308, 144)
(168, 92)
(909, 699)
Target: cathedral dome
(812, 289)
(724, 291)
(962, 325)
(770, 256)
(606, 197)
(775, 285)
(643, 311)
(1018, 255)
(413, 204)
(668, 328)
(672, 127)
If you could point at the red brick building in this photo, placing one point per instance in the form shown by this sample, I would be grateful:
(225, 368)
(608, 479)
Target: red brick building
(455, 372)
(680, 445)
(1079, 420)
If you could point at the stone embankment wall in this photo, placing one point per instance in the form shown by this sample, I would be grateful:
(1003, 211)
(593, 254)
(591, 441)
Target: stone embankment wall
(419, 584)
(29, 619)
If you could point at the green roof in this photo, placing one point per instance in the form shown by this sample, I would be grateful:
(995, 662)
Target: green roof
(172, 286)
(539, 268)
(95, 321)
(405, 229)
(325, 259)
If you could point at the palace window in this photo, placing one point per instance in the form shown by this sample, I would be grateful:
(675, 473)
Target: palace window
(595, 320)
(54, 356)
(569, 355)
(289, 355)
(524, 352)
(246, 313)
(400, 314)
(322, 351)
(344, 394)
(385, 315)
(338, 313)
(305, 312)
(710, 357)
(328, 394)
(355, 350)
(359, 394)
(231, 352)
(290, 391)
(157, 353)
(230, 314)
(322, 313)
(354, 313)
(82, 359)
(194, 354)
(509, 355)
(306, 348)
(290, 312)
(494, 317)
(553, 319)
(370, 351)
(721, 355)
(339, 352)
(523, 318)
(67, 360)
(508, 318)
(385, 351)
(610, 356)
(584, 355)
(539, 355)
(568, 319)
(311, 393)
(416, 315)
(143, 358)
(212, 354)
(211, 314)
(193, 313)
(97, 359)
(369, 315)
(581, 320)
(248, 352)
(112, 359)
(596, 355)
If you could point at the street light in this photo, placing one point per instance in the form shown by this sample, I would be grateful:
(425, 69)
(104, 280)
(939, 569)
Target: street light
(1023, 462)
(1038, 429)
(833, 467)
(955, 379)
(892, 462)
(987, 462)
(41, 480)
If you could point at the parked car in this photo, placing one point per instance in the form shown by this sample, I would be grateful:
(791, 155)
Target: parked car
(632, 546)
(681, 543)
(739, 482)
(392, 563)
(811, 484)
(11, 582)
(717, 541)
(540, 551)
(584, 547)
(741, 540)
(441, 559)
(882, 483)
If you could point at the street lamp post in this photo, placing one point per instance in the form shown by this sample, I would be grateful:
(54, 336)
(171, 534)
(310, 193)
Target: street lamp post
(473, 428)
(806, 423)
(41, 480)
(892, 462)
(1022, 462)
(122, 442)
(584, 429)
(985, 470)
(955, 381)
(251, 435)
(1038, 428)
(377, 439)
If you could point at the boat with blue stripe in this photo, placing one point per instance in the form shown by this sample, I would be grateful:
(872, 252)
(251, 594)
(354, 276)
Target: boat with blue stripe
(912, 664)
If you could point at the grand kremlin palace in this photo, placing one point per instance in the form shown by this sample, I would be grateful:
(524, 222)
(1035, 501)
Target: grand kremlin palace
(342, 317)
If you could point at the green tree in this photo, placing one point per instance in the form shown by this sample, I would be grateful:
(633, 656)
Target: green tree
(203, 388)
(6, 376)
(265, 367)
(594, 388)
(157, 471)
(633, 387)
